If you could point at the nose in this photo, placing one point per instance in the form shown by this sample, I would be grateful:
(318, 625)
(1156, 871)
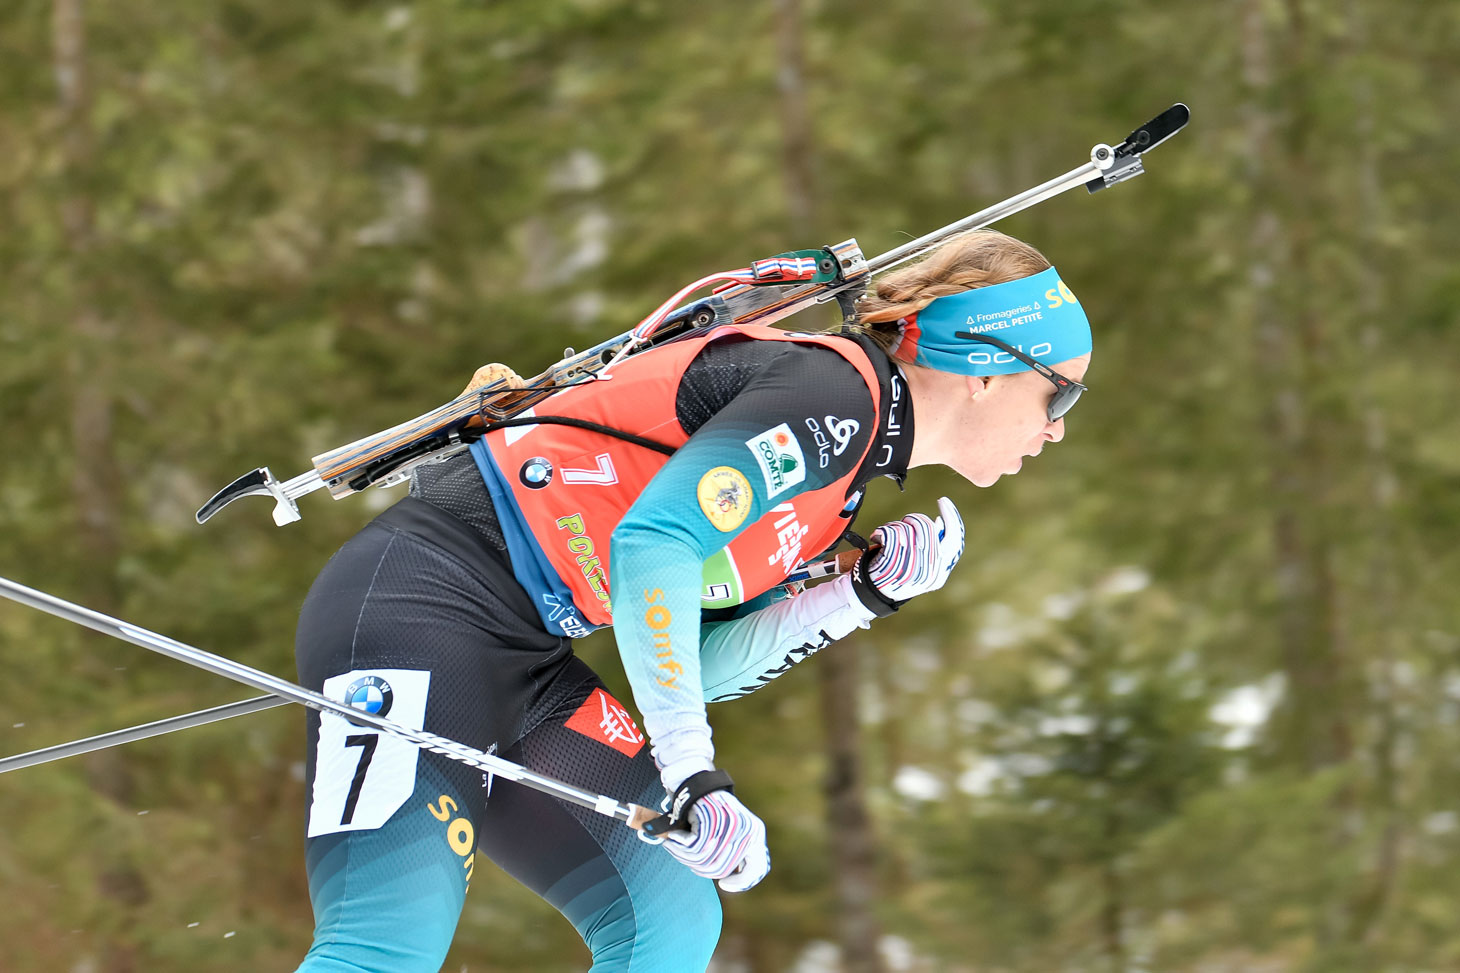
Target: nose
(1055, 431)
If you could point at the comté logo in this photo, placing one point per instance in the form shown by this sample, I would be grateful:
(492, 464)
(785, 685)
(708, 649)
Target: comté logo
(603, 719)
(780, 458)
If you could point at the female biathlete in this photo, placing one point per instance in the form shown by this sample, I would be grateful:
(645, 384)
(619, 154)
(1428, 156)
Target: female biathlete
(674, 504)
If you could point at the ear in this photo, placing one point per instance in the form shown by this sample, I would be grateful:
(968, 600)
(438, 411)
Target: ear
(976, 384)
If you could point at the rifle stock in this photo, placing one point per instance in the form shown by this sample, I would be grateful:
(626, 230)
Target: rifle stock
(389, 454)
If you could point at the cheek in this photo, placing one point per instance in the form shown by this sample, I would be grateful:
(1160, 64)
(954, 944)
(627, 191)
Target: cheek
(1022, 428)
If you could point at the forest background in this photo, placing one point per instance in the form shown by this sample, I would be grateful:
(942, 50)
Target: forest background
(1190, 703)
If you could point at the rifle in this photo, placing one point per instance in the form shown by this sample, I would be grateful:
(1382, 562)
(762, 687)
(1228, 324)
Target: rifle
(765, 292)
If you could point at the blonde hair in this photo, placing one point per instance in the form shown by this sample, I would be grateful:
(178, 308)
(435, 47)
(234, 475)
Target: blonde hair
(975, 259)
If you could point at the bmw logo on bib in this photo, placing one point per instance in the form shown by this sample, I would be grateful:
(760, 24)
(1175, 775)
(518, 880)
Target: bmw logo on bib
(371, 694)
(536, 473)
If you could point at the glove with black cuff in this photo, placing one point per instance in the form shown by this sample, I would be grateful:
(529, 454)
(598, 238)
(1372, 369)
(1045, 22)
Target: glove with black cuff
(712, 833)
(916, 556)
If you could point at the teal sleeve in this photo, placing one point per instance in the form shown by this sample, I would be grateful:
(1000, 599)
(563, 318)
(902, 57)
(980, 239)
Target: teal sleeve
(659, 548)
(735, 643)
(657, 554)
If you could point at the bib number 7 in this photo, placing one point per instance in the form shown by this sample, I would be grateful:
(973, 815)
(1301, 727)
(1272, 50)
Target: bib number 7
(361, 776)
(367, 743)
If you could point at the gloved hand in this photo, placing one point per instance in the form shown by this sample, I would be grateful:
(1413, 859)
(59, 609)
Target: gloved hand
(724, 841)
(916, 557)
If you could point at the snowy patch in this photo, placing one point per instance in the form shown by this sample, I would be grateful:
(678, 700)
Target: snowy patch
(1050, 678)
(1123, 684)
(982, 777)
(1445, 822)
(585, 308)
(1001, 629)
(723, 966)
(1245, 710)
(1404, 674)
(1062, 608)
(1075, 724)
(897, 953)
(923, 657)
(874, 707)
(1452, 685)
(1029, 764)
(975, 712)
(580, 172)
(917, 784)
(1124, 581)
(819, 956)
(915, 665)
(408, 204)
(590, 243)
(1186, 661)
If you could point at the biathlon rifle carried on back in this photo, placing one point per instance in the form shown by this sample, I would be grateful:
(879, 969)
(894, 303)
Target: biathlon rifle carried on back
(763, 293)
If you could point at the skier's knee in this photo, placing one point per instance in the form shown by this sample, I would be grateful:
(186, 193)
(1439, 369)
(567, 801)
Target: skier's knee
(343, 957)
(653, 933)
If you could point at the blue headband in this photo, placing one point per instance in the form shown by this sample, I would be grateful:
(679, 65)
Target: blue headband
(1039, 315)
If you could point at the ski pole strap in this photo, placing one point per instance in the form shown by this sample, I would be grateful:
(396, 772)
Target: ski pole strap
(811, 266)
(868, 593)
(694, 787)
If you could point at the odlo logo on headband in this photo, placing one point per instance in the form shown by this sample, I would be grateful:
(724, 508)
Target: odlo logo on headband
(989, 355)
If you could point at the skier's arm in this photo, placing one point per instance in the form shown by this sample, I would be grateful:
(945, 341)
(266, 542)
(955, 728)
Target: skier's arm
(739, 655)
(916, 554)
(660, 546)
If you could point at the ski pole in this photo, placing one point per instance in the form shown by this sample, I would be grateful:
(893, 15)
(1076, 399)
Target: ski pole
(829, 567)
(633, 815)
(141, 732)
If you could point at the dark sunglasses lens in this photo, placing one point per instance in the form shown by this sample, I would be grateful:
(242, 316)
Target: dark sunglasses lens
(1064, 400)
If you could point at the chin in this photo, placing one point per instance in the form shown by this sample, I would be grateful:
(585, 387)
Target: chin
(982, 479)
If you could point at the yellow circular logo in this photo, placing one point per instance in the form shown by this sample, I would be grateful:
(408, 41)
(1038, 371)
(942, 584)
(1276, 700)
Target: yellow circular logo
(725, 496)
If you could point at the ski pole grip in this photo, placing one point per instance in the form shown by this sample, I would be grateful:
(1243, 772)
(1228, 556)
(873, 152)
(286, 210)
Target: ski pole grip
(694, 787)
(640, 818)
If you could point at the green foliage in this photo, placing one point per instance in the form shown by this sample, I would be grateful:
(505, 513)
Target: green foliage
(308, 222)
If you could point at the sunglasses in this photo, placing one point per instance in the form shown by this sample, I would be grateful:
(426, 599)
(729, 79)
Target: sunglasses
(1066, 390)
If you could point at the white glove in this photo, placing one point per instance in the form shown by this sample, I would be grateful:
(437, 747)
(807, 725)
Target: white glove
(725, 841)
(917, 556)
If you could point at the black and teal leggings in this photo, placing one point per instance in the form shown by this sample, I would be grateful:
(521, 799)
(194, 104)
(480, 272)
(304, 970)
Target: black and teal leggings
(417, 619)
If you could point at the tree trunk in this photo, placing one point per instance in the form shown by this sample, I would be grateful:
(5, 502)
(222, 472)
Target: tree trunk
(797, 154)
(853, 845)
(1372, 898)
(1294, 348)
(95, 482)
